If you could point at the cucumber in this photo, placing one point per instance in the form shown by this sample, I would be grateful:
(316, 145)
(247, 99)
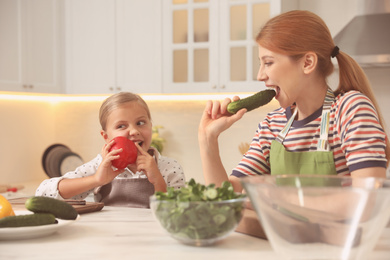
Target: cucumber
(256, 100)
(59, 208)
(36, 219)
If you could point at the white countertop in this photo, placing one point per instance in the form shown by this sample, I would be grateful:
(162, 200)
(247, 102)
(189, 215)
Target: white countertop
(129, 233)
(120, 233)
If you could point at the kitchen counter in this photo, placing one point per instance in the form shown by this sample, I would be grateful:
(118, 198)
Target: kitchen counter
(120, 233)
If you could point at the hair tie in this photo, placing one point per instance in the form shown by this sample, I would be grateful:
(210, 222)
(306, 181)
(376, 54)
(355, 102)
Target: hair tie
(335, 52)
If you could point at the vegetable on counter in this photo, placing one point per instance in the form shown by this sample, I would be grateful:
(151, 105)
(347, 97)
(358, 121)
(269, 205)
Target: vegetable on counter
(252, 102)
(37, 219)
(59, 208)
(198, 211)
(199, 192)
(5, 208)
(45, 211)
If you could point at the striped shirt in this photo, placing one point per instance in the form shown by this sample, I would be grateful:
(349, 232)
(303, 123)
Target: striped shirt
(356, 138)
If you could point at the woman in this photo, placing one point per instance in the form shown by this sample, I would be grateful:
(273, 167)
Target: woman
(316, 130)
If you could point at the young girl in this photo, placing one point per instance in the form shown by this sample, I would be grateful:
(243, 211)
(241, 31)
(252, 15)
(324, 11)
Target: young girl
(122, 114)
(316, 130)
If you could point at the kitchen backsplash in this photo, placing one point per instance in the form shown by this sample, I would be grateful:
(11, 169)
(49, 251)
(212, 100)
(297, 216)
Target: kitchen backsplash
(29, 127)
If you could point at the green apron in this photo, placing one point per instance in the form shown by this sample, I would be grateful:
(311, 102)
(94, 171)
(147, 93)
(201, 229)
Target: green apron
(307, 163)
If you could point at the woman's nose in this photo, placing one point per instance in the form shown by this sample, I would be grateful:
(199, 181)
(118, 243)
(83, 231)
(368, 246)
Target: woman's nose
(261, 76)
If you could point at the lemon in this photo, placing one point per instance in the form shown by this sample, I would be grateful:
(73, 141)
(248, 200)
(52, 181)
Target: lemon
(5, 208)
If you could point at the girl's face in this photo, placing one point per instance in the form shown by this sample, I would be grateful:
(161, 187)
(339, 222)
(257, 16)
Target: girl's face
(129, 120)
(281, 73)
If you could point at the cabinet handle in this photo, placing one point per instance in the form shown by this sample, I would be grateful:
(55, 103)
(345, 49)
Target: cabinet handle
(118, 88)
(214, 87)
(111, 88)
(223, 86)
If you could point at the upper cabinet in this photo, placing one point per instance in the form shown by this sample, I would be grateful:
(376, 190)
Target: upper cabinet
(142, 46)
(29, 46)
(209, 45)
(112, 46)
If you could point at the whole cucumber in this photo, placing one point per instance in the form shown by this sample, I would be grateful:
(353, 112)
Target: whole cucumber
(36, 219)
(252, 102)
(59, 208)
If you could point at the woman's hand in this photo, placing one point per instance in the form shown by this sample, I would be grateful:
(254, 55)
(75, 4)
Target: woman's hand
(105, 173)
(215, 118)
(146, 163)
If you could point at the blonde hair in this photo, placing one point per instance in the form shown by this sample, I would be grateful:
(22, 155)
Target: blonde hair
(116, 100)
(297, 32)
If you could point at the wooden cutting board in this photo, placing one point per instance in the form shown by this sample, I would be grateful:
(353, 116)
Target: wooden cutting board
(250, 224)
(81, 206)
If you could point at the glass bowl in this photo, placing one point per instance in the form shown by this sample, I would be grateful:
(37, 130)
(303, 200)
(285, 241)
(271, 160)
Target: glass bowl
(198, 223)
(320, 217)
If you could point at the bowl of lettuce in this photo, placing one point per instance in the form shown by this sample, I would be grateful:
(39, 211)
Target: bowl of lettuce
(199, 215)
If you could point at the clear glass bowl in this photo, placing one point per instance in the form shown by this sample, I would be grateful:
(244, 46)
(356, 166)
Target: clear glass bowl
(320, 217)
(198, 223)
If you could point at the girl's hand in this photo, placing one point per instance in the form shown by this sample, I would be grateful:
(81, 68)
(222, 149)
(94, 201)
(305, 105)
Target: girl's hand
(105, 173)
(147, 164)
(216, 119)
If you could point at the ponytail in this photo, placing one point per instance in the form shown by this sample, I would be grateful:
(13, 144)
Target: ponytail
(352, 77)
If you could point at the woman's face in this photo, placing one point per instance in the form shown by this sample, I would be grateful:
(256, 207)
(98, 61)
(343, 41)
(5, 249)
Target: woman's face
(129, 120)
(281, 73)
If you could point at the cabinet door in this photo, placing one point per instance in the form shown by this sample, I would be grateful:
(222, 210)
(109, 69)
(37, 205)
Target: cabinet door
(90, 46)
(139, 65)
(190, 44)
(29, 46)
(10, 46)
(238, 50)
(209, 45)
(40, 28)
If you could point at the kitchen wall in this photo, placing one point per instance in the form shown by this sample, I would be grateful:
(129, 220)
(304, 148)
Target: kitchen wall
(32, 126)
(29, 127)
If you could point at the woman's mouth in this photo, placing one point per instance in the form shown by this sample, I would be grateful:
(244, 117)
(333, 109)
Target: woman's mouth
(277, 90)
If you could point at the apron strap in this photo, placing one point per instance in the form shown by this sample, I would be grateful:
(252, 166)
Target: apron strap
(282, 134)
(323, 144)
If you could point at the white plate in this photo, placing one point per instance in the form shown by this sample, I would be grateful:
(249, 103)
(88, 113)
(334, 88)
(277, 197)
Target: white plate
(15, 233)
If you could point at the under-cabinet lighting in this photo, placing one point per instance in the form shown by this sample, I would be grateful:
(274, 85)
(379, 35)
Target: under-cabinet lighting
(54, 98)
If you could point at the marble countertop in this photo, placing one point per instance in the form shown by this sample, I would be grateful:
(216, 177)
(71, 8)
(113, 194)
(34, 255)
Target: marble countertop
(121, 233)
(128, 233)
(131, 233)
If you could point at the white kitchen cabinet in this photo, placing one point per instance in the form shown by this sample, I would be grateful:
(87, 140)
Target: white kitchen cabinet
(209, 45)
(112, 46)
(29, 46)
